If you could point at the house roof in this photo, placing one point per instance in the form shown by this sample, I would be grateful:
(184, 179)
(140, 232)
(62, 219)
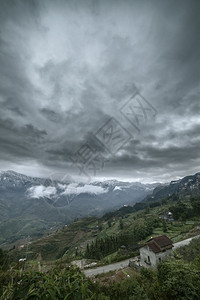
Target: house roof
(159, 244)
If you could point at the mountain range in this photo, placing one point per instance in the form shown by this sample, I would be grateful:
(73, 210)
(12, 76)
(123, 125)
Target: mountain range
(31, 205)
(188, 185)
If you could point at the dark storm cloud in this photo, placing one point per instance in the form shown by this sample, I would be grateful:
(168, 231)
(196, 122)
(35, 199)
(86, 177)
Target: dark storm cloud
(11, 104)
(51, 115)
(68, 66)
(19, 141)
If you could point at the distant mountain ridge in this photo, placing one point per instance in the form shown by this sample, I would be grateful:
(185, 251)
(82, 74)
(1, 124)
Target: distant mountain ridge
(60, 193)
(187, 185)
(31, 205)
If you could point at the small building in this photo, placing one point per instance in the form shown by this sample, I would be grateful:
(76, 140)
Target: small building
(123, 247)
(155, 250)
(168, 217)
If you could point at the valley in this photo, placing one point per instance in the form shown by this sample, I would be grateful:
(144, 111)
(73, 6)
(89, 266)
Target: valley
(33, 206)
(101, 247)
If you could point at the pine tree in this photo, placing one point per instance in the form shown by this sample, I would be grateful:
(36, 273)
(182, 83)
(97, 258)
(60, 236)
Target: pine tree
(121, 224)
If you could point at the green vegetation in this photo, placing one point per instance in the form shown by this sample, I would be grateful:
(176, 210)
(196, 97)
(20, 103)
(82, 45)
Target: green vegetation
(22, 217)
(4, 260)
(96, 238)
(184, 210)
(102, 247)
(174, 279)
(178, 278)
(190, 252)
(101, 239)
(65, 283)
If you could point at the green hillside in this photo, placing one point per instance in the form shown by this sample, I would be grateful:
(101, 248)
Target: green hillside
(48, 273)
(97, 238)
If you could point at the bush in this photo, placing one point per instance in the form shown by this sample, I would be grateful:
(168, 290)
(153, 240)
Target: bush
(57, 284)
(178, 280)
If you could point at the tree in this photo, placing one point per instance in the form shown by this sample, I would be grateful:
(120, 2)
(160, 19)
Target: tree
(100, 227)
(142, 230)
(175, 197)
(147, 209)
(178, 280)
(121, 224)
(180, 211)
(4, 260)
(195, 202)
(164, 224)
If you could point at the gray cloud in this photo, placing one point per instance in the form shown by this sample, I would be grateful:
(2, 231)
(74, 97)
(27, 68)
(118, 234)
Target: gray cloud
(68, 66)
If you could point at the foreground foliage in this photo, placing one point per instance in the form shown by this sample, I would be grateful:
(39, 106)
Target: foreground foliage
(178, 278)
(57, 284)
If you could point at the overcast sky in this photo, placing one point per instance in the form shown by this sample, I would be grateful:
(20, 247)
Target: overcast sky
(105, 89)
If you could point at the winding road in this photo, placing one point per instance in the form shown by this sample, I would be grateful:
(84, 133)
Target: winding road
(185, 242)
(124, 263)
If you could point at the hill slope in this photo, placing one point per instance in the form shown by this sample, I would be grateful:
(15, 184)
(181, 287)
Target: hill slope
(186, 186)
(29, 205)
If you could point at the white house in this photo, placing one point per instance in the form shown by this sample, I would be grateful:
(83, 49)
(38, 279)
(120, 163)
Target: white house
(155, 250)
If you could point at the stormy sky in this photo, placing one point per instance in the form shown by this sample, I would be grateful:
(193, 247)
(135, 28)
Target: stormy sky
(100, 89)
